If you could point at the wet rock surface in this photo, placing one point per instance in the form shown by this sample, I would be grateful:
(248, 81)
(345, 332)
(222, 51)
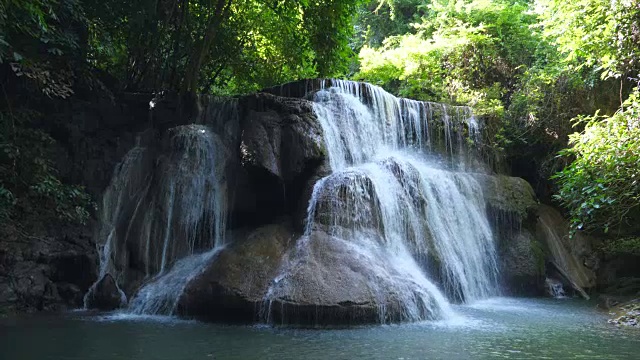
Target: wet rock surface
(267, 271)
(523, 265)
(626, 314)
(328, 280)
(105, 295)
(232, 288)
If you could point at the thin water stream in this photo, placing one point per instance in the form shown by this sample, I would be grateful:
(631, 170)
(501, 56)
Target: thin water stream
(496, 328)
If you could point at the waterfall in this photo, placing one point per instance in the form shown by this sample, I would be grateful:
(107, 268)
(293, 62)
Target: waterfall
(398, 229)
(554, 288)
(390, 187)
(365, 119)
(162, 220)
(399, 198)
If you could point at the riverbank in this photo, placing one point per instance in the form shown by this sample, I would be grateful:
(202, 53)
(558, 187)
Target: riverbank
(626, 314)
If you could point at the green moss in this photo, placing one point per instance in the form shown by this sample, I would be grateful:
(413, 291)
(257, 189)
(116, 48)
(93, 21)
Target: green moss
(539, 254)
(622, 246)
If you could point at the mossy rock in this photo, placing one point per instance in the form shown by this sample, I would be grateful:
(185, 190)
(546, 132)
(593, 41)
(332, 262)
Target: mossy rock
(510, 195)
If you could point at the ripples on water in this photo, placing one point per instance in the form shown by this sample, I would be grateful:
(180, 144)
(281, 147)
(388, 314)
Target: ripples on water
(495, 328)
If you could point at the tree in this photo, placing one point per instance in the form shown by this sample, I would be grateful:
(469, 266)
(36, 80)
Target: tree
(203, 45)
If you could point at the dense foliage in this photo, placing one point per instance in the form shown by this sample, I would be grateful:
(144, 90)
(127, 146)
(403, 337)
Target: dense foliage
(218, 45)
(601, 187)
(536, 70)
(40, 47)
(51, 49)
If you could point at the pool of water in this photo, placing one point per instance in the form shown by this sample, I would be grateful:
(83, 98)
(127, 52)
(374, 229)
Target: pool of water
(496, 328)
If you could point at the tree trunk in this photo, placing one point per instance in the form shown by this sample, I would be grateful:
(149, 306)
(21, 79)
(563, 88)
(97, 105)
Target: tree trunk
(201, 51)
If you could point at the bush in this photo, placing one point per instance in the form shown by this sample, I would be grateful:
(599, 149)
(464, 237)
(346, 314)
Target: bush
(28, 175)
(601, 186)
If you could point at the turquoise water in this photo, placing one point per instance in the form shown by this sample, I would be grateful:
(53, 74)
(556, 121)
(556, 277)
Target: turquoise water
(493, 329)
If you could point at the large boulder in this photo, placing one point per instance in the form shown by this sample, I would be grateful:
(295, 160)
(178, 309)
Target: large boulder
(348, 279)
(235, 283)
(319, 279)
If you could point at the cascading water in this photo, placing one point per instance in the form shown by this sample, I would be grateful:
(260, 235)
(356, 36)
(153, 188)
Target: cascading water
(128, 185)
(161, 222)
(393, 199)
(555, 288)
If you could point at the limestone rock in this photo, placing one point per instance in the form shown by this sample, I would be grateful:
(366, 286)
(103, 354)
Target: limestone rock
(510, 196)
(626, 314)
(569, 254)
(48, 272)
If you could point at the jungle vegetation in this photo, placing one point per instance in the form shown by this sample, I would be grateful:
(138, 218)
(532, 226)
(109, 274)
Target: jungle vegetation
(557, 81)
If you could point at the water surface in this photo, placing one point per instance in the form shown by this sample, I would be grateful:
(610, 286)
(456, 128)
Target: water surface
(495, 328)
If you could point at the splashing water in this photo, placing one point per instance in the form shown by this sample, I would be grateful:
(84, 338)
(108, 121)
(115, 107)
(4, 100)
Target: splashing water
(161, 294)
(555, 288)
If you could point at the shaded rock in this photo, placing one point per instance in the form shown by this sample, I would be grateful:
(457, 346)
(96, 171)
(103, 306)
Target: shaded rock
(618, 274)
(523, 264)
(281, 148)
(624, 286)
(105, 295)
(34, 269)
(512, 210)
(510, 200)
(233, 286)
(281, 135)
(607, 302)
(569, 254)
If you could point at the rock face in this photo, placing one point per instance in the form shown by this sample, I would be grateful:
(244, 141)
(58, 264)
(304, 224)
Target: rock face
(570, 256)
(105, 295)
(46, 264)
(511, 198)
(274, 276)
(330, 280)
(512, 208)
(523, 265)
(234, 285)
(281, 136)
(48, 271)
(281, 147)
